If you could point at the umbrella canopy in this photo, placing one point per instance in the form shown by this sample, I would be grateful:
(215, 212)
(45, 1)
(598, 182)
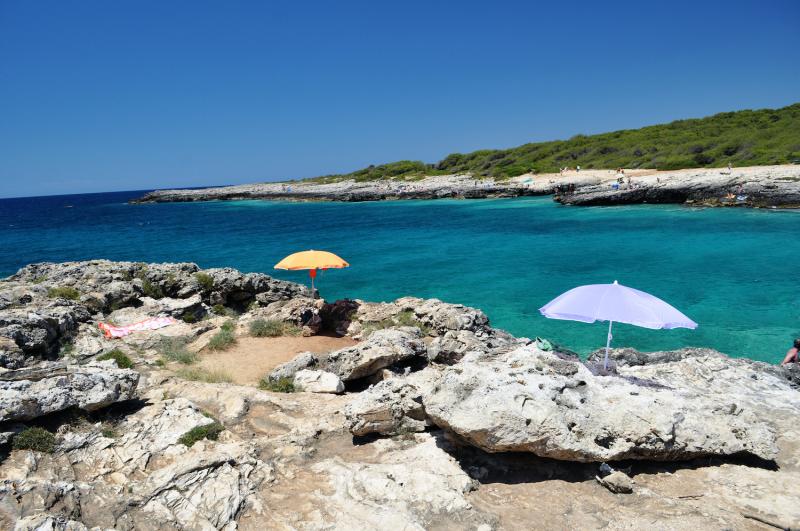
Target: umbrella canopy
(615, 302)
(311, 260)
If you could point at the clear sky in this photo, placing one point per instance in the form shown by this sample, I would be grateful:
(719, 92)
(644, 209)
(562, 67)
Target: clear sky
(121, 95)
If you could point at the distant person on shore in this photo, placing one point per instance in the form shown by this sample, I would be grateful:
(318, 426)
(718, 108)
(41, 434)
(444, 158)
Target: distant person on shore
(578, 169)
(792, 354)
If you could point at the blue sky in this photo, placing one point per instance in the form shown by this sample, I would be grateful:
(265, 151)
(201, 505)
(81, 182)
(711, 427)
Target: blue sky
(102, 96)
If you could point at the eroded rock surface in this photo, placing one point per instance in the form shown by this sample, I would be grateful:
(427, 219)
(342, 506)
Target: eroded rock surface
(532, 401)
(27, 394)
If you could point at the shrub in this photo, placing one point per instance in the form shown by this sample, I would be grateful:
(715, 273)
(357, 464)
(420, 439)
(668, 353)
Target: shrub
(219, 309)
(152, 290)
(198, 433)
(202, 375)
(109, 432)
(222, 340)
(64, 292)
(205, 281)
(281, 385)
(175, 350)
(266, 328)
(67, 349)
(123, 361)
(188, 317)
(36, 439)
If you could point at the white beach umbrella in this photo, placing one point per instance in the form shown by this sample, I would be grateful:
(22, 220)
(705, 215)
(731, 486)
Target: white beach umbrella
(615, 303)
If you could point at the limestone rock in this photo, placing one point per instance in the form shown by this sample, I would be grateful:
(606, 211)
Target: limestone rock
(390, 407)
(617, 482)
(304, 360)
(48, 522)
(300, 311)
(57, 387)
(410, 489)
(529, 400)
(318, 382)
(381, 349)
(455, 344)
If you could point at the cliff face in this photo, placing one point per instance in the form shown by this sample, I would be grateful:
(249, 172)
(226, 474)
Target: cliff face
(434, 419)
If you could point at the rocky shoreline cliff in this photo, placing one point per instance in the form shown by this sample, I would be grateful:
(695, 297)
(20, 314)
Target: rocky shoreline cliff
(758, 186)
(432, 419)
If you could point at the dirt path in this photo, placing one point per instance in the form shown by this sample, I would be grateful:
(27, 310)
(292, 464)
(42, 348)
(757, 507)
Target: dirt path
(253, 357)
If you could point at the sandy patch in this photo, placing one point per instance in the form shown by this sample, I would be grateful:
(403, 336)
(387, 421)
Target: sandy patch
(253, 357)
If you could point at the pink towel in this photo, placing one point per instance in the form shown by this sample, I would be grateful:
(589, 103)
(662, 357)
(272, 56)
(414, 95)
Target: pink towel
(153, 323)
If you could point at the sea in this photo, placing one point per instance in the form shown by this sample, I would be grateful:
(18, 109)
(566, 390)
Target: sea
(733, 271)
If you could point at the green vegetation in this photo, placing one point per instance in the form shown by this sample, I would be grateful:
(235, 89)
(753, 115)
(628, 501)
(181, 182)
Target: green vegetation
(281, 385)
(198, 433)
(201, 375)
(37, 439)
(205, 281)
(272, 328)
(109, 432)
(65, 292)
(188, 317)
(404, 318)
(219, 309)
(743, 138)
(152, 290)
(174, 349)
(67, 349)
(223, 339)
(123, 361)
(38, 280)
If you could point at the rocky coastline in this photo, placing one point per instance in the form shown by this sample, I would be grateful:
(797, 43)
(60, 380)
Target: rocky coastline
(429, 419)
(758, 186)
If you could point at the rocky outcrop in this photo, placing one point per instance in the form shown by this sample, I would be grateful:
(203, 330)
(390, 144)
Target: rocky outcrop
(435, 187)
(143, 479)
(36, 330)
(303, 312)
(317, 382)
(762, 186)
(455, 344)
(43, 305)
(381, 349)
(414, 488)
(391, 407)
(756, 186)
(533, 401)
(27, 394)
(304, 360)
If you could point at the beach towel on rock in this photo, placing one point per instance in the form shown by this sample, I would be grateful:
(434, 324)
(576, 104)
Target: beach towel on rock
(153, 323)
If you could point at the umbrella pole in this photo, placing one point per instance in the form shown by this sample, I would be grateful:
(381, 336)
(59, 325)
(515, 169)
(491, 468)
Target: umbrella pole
(608, 345)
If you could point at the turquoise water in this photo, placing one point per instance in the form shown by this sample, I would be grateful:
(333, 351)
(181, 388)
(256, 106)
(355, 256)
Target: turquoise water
(734, 271)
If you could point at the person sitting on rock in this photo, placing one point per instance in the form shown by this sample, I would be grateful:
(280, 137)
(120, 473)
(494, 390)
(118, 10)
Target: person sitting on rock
(792, 355)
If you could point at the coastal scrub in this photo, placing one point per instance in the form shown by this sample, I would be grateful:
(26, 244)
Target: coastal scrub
(36, 439)
(122, 360)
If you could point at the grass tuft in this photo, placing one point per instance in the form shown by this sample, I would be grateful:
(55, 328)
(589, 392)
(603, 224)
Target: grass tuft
(123, 361)
(36, 439)
(174, 349)
(281, 385)
(64, 292)
(272, 328)
(205, 281)
(198, 433)
(201, 375)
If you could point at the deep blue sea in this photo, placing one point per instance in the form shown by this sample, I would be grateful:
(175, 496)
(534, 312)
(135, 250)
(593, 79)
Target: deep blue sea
(734, 271)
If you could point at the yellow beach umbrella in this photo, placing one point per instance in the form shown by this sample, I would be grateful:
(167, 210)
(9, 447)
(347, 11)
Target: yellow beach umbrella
(311, 260)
